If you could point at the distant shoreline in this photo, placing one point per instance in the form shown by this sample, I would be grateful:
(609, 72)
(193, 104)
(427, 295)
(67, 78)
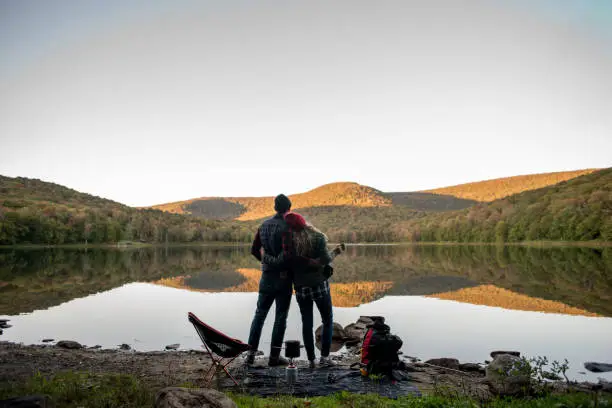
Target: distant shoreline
(535, 244)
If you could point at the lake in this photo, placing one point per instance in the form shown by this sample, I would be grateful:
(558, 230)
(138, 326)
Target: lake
(443, 301)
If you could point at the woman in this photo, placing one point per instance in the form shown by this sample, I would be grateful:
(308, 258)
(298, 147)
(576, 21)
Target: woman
(309, 264)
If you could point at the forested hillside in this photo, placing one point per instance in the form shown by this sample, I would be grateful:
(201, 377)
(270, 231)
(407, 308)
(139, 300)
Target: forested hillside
(421, 201)
(37, 212)
(490, 190)
(353, 224)
(576, 210)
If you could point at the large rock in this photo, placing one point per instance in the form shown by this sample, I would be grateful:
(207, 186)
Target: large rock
(336, 345)
(176, 397)
(30, 401)
(338, 332)
(604, 385)
(499, 352)
(68, 344)
(597, 367)
(365, 320)
(508, 375)
(471, 368)
(354, 332)
(452, 363)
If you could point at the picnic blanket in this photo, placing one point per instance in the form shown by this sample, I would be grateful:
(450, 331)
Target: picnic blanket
(269, 381)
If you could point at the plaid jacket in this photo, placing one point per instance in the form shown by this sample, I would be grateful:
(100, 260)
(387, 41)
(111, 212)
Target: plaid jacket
(272, 236)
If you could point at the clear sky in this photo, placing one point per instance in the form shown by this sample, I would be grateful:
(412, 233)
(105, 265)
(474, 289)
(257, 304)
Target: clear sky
(146, 102)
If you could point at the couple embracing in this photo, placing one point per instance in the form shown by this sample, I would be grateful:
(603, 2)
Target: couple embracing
(292, 253)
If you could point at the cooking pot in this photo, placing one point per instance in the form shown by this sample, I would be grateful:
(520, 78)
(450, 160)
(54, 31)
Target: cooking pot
(292, 348)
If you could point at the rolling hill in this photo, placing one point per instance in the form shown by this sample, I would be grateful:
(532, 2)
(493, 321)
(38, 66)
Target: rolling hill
(490, 190)
(354, 195)
(253, 208)
(38, 212)
(579, 209)
(22, 192)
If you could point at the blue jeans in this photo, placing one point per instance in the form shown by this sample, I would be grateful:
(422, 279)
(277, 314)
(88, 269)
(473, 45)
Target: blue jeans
(271, 291)
(324, 304)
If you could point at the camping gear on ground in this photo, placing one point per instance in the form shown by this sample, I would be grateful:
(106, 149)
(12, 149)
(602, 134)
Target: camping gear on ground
(291, 374)
(292, 350)
(380, 349)
(219, 344)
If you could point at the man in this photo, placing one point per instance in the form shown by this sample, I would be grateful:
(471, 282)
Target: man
(275, 285)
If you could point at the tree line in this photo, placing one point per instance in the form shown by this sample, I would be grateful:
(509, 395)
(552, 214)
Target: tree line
(37, 212)
(580, 209)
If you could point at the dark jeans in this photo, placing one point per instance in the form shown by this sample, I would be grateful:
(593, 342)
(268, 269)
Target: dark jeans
(324, 305)
(271, 292)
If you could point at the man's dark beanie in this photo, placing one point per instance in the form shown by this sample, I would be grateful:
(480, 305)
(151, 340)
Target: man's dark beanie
(282, 204)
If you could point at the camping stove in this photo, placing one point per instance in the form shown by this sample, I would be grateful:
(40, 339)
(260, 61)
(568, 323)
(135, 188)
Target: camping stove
(292, 350)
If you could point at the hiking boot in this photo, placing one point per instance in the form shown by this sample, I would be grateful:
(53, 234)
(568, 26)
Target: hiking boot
(277, 361)
(311, 364)
(326, 362)
(250, 360)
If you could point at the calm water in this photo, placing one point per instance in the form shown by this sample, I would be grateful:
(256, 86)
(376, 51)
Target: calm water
(454, 301)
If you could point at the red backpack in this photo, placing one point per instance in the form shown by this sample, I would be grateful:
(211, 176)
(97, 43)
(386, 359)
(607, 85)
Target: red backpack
(379, 351)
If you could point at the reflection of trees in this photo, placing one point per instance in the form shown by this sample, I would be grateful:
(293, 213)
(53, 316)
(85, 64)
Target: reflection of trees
(579, 277)
(36, 279)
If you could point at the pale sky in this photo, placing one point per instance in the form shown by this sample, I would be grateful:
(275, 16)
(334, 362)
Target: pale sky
(146, 102)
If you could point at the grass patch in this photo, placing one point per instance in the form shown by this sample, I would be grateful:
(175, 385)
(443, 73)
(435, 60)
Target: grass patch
(72, 389)
(348, 400)
(85, 390)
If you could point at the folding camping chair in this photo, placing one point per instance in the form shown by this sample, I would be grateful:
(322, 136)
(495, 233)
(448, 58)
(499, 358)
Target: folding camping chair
(219, 344)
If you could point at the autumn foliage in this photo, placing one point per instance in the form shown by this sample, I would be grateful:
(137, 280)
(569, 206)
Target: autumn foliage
(578, 209)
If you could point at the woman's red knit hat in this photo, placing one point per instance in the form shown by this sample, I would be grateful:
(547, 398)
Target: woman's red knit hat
(295, 221)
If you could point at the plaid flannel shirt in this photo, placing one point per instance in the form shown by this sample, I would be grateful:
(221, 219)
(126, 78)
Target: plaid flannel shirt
(318, 292)
(286, 248)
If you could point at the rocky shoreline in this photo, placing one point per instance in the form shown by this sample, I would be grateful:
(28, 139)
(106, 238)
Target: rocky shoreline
(172, 367)
(160, 369)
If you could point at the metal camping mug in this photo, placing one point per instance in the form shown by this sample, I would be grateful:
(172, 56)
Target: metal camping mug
(291, 373)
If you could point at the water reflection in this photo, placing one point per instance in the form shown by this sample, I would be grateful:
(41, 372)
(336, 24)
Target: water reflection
(435, 297)
(149, 316)
(562, 280)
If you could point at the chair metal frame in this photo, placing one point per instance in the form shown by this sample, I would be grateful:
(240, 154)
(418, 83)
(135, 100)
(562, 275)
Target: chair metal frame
(221, 363)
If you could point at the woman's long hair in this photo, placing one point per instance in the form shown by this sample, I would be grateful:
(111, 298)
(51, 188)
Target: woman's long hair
(304, 240)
